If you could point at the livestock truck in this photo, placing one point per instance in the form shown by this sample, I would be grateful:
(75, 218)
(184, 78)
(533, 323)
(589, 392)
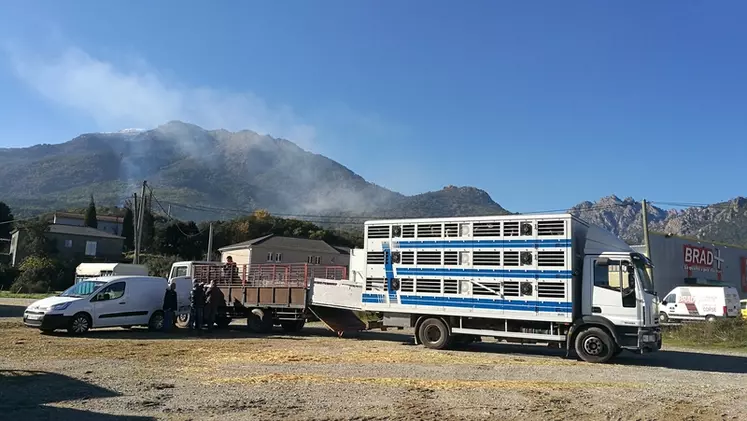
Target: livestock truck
(542, 278)
(551, 279)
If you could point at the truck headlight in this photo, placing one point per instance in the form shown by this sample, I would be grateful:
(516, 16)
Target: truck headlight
(60, 307)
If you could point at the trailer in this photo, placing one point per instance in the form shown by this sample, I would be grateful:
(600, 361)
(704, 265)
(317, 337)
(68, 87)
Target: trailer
(269, 295)
(551, 279)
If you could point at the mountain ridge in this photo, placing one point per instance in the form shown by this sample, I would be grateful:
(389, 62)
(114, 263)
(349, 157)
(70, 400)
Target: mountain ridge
(221, 174)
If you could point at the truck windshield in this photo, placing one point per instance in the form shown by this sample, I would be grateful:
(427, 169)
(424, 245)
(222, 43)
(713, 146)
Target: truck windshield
(642, 273)
(82, 289)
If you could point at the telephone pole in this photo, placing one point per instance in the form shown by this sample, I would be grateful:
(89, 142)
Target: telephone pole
(141, 216)
(135, 232)
(646, 242)
(210, 244)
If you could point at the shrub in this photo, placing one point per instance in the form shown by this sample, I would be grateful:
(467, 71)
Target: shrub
(38, 274)
(8, 275)
(159, 265)
(727, 332)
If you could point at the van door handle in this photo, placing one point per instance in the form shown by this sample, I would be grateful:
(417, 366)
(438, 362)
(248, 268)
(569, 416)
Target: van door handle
(122, 302)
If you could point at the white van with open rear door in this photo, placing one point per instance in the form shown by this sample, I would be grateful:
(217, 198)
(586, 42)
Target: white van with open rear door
(702, 302)
(108, 301)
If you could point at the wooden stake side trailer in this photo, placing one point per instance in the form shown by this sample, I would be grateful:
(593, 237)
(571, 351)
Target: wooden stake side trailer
(269, 295)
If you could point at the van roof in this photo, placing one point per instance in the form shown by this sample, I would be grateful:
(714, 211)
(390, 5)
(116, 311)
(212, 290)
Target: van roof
(129, 278)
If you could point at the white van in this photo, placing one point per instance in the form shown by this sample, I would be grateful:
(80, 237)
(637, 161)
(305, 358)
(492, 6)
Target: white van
(699, 303)
(102, 302)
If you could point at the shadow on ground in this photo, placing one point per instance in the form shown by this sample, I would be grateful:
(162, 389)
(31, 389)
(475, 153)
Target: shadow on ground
(25, 394)
(7, 310)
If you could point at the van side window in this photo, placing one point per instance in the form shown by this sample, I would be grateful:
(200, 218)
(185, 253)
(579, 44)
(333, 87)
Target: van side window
(112, 292)
(671, 299)
(609, 277)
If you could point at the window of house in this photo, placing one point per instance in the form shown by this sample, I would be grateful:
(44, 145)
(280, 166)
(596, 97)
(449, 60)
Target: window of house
(91, 248)
(269, 257)
(68, 244)
(278, 257)
(318, 260)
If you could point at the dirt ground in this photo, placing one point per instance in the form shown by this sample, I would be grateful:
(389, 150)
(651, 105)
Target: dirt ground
(117, 374)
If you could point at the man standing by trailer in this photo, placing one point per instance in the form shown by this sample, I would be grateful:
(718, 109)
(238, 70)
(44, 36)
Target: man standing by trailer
(214, 298)
(198, 306)
(169, 307)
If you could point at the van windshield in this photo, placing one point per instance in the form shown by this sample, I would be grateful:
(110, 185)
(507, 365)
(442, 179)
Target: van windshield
(82, 289)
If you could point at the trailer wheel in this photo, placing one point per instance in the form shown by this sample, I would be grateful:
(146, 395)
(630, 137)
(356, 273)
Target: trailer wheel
(293, 326)
(433, 333)
(259, 320)
(594, 345)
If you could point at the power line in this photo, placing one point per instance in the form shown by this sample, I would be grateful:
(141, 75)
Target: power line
(168, 215)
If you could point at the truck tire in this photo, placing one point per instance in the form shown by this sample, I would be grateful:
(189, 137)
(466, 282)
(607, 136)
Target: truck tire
(293, 326)
(433, 333)
(182, 320)
(260, 320)
(594, 345)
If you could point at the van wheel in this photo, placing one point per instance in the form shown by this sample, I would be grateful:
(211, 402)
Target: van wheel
(260, 320)
(663, 318)
(710, 318)
(79, 324)
(594, 345)
(434, 334)
(156, 321)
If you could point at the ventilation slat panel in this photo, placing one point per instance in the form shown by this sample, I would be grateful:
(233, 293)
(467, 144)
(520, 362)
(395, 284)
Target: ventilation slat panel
(378, 231)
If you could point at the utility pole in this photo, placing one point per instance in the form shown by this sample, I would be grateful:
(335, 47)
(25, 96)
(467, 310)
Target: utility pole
(135, 231)
(210, 244)
(646, 242)
(141, 216)
(169, 212)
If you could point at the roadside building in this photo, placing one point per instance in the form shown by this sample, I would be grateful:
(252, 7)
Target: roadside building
(687, 261)
(278, 250)
(73, 242)
(110, 224)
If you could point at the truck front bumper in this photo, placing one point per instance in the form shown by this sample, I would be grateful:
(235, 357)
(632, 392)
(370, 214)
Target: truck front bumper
(649, 339)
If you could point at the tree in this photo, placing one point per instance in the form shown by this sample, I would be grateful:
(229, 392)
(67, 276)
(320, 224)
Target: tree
(128, 229)
(37, 275)
(89, 219)
(5, 217)
(35, 242)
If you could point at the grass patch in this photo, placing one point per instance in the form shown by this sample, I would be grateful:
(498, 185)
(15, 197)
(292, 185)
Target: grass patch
(722, 333)
(8, 294)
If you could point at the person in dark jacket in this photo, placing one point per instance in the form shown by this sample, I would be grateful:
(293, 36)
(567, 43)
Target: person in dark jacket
(198, 306)
(214, 299)
(169, 307)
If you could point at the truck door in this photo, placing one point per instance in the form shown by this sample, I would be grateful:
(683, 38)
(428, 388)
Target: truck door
(179, 270)
(614, 292)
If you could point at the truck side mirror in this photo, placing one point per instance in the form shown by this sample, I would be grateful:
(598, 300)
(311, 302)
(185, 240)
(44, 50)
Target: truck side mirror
(664, 302)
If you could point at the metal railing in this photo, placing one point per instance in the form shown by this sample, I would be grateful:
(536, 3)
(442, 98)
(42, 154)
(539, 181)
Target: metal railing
(267, 275)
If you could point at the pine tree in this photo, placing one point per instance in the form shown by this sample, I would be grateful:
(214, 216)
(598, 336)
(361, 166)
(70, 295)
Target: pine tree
(89, 219)
(128, 229)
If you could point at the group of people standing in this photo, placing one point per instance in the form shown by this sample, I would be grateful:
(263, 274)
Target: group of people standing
(204, 303)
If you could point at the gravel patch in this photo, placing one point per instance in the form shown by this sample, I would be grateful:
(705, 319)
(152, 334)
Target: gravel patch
(116, 374)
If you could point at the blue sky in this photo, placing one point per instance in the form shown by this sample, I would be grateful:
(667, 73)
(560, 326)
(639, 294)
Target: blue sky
(542, 104)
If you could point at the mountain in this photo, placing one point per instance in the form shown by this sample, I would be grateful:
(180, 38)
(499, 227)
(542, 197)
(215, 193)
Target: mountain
(724, 222)
(214, 173)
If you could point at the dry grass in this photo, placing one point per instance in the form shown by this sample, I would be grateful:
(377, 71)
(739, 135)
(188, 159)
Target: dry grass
(435, 384)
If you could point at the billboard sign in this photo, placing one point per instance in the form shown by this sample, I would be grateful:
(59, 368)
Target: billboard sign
(702, 259)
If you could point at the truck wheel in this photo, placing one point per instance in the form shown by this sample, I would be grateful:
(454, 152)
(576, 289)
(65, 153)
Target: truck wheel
(594, 345)
(663, 318)
(156, 321)
(182, 320)
(293, 326)
(434, 334)
(79, 324)
(259, 321)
